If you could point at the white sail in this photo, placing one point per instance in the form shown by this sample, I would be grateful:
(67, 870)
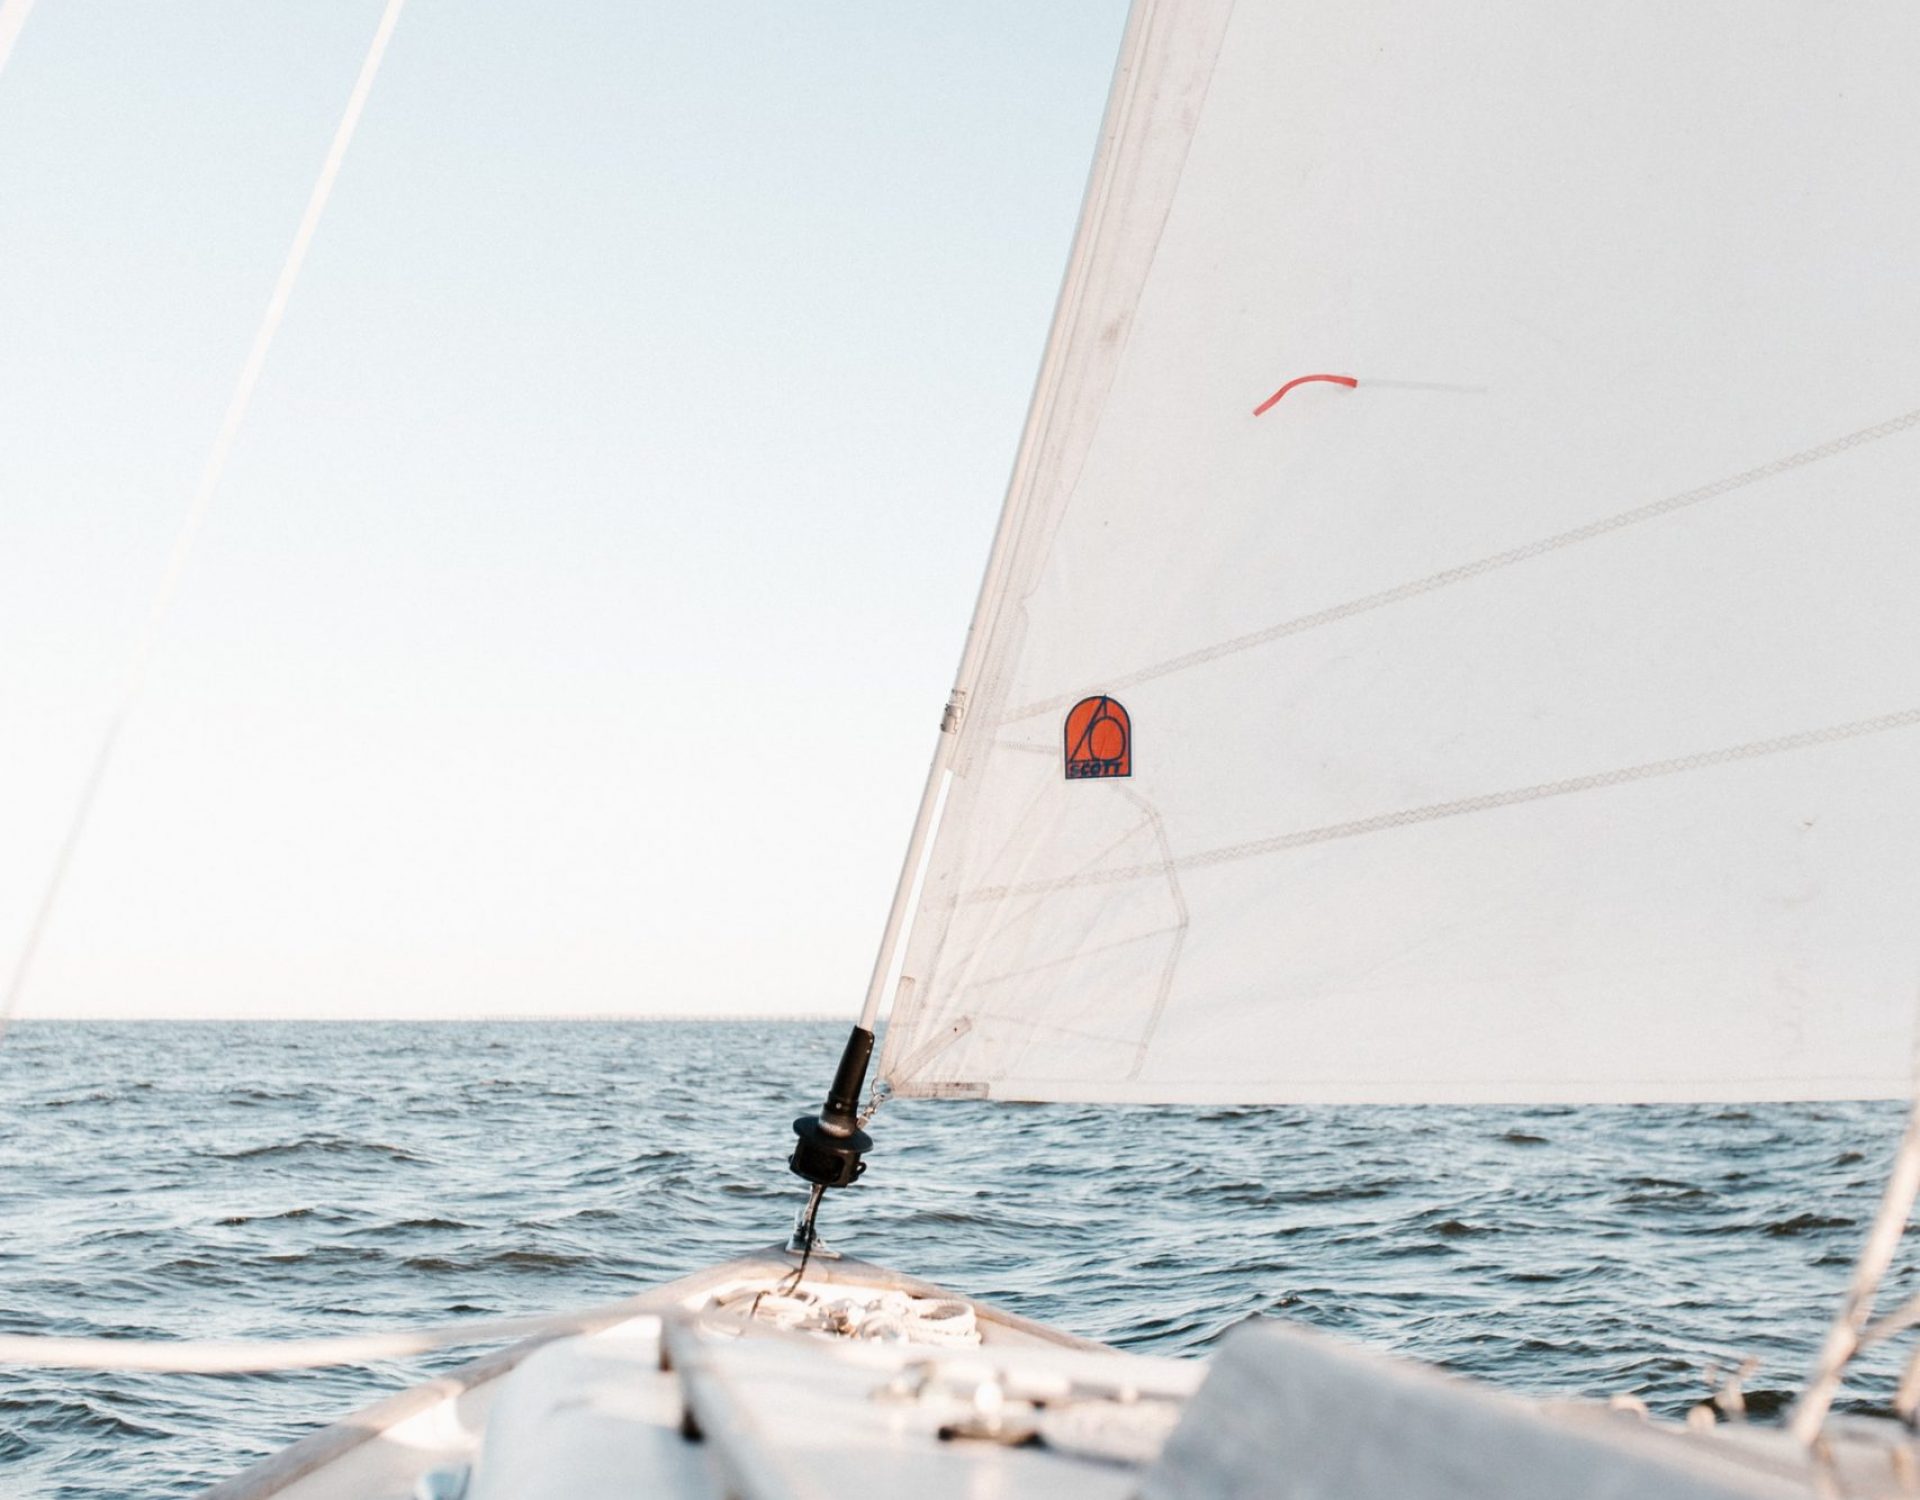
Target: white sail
(1538, 717)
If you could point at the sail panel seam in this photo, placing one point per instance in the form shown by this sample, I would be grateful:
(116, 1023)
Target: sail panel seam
(1485, 802)
(1025, 1088)
(1163, 990)
(1465, 572)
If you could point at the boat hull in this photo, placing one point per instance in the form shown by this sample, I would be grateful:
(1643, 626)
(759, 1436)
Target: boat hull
(382, 1450)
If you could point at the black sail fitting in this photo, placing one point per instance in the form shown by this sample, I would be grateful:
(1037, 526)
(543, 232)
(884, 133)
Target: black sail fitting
(832, 1144)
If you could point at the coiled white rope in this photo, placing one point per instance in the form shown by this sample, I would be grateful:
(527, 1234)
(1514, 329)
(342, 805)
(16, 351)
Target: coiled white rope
(11, 12)
(893, 1316)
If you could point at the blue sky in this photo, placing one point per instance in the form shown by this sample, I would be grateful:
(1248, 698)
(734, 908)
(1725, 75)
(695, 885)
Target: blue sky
(572, 626)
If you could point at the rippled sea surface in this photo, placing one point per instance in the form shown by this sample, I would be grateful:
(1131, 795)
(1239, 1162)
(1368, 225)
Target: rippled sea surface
(168, 1180)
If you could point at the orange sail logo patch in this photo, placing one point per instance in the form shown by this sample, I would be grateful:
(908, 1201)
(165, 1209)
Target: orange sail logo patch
(1099, 738)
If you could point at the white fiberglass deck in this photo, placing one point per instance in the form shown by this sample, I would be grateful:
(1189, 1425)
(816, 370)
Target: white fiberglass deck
(550, 1416)
(696, 1390)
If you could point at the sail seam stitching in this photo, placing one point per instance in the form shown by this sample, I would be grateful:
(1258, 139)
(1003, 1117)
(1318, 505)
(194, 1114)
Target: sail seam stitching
(1481, 566)
(1486, 802)
(1163, 990)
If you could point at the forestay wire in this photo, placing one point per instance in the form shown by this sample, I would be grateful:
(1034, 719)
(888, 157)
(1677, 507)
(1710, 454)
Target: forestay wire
(12, 15)
(219, 1356)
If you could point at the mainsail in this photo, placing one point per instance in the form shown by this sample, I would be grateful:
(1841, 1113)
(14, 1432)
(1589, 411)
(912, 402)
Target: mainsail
(1533, 711)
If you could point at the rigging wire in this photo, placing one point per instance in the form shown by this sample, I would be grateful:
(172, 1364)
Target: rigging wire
(13, 15)
(1854, 1328)
(13, 11)
(241, 1356)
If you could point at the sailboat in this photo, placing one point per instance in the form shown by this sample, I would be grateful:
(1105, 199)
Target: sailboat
(1449, 638)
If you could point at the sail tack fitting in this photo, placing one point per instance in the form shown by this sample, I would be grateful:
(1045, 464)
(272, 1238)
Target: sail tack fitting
(831, 1147)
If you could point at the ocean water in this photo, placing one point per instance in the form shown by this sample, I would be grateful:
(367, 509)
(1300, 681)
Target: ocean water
(279, 1178)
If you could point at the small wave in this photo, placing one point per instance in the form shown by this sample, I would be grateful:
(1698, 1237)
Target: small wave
(1354, 1192)
(1665, 1198)
(186, 1263)
(387, 1181)
(412, 1224)
(1806, 1223)
(233, 1220)
(510, 1260)
(938, 1216)
(70, 1416)
(251, 1096)
(325, 1255)
(319, 1145)
(539, 1259)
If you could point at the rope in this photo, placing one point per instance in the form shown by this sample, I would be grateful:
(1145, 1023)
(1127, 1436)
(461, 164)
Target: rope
(1852, 1329)
(1897, 1321)
(201, 503)
(1274, 400)
(788, 1284)
(892, 1316)
(1406, 817)
(237, 1356)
